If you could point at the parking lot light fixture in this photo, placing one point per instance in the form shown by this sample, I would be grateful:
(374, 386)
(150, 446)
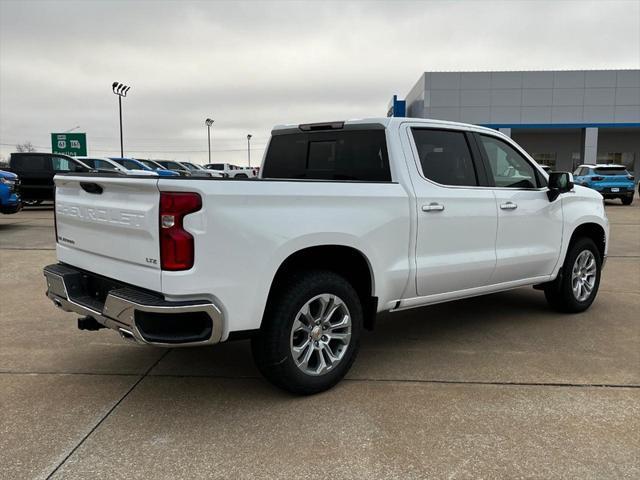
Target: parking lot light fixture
(249, 148)
(209, 122)
(120, 90)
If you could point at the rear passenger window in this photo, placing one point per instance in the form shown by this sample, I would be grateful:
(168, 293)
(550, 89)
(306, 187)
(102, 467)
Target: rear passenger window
(341, 155)
(445, 157)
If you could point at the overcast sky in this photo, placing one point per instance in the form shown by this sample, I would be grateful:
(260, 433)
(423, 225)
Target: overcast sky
(250, 65)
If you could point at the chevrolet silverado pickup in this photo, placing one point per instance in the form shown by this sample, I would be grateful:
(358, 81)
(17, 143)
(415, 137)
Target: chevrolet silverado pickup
(348, 219)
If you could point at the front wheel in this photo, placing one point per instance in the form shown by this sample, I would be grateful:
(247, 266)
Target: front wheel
(310, 333)
(627, 200)
(576, 286)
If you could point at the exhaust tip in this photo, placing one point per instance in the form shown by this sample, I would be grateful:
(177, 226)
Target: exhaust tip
(127, 335)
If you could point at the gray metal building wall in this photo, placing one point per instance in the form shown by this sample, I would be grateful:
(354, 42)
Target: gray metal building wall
(548, 111)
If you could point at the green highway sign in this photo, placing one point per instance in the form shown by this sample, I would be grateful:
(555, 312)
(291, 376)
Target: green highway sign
(74, 144)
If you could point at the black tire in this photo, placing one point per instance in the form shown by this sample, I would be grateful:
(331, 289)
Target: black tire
(559, 293)
(627, 200)
(271, 348)
(241, 175)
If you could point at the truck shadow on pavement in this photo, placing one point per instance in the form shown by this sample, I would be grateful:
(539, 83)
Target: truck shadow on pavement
(482, 323)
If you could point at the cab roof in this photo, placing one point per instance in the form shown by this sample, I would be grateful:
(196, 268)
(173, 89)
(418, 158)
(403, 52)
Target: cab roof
(374, 122)
(601, 165)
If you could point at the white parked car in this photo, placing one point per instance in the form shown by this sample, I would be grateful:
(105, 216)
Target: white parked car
(350, 219)
(232, 171)
(199, 170)
(106, 164)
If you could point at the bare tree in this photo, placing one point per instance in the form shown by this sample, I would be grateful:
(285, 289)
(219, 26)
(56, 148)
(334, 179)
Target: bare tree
(25, 147)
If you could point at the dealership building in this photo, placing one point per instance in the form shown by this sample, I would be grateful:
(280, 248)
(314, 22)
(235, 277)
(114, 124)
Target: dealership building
(562, 118)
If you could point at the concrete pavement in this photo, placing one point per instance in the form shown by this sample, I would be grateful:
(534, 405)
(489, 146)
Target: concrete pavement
(491, 387)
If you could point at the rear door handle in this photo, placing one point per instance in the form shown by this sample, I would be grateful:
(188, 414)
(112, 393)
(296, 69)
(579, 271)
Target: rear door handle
(433, 207)
(508, 206)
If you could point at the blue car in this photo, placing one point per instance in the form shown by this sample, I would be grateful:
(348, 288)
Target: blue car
(133, 164)
(611, 181)
(10, 201)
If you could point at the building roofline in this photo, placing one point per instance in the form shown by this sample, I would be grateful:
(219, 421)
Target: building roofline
(538, 70)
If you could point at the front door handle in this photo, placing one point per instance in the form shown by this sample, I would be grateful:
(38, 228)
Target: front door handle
(508, 206)
(433, 207)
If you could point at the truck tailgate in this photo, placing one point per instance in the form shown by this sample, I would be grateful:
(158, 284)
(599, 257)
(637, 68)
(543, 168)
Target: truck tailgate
(109, 225)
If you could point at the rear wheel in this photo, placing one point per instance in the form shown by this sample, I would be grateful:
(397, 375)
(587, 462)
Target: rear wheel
(576, 286)
(627, 200)
(310, 334)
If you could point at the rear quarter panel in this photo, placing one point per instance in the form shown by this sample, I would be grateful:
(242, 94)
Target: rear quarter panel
(246, 229)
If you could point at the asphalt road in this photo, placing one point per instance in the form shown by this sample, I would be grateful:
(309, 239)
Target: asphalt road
(491, 387)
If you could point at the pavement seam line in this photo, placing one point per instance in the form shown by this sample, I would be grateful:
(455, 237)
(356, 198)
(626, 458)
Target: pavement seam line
(106, 415)
(397, 380)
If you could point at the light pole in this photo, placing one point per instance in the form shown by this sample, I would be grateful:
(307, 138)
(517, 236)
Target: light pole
(120, 90)
(209, 122)
(249, 148)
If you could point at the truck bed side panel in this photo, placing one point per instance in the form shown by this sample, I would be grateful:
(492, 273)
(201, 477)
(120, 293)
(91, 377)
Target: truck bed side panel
(246, 229)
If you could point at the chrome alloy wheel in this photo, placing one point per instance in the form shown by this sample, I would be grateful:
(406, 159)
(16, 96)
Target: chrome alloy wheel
(583, 275)
(320, 334)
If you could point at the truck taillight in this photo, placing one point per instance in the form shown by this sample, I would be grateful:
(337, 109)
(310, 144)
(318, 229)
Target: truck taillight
(176, 244)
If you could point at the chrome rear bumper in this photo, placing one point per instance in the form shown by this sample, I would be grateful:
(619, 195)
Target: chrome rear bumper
(131, 311)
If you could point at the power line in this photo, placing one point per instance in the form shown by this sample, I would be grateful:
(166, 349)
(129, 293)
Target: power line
(148, 150)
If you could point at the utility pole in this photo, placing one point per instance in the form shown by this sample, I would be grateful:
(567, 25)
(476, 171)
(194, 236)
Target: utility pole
(249, 148)
(120, 90)
(209, 122)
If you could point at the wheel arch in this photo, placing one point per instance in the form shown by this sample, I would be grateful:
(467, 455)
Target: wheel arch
(595, 232)
(346, 261)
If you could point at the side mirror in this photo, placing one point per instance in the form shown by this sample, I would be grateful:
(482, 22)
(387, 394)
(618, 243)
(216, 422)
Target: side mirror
(559, 182)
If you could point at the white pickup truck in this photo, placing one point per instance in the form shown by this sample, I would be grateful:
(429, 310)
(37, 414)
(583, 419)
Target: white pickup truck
(231, 171)
(347, 220)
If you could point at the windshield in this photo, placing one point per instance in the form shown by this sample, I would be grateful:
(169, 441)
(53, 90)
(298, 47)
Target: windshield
(216, 166)
(150, 164)
(98, 163)
(129, 164)
(190, 166)
(171, 165)
(611, 171)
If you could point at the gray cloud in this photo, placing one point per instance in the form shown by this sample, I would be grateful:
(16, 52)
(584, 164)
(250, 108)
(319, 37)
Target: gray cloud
(250, 65)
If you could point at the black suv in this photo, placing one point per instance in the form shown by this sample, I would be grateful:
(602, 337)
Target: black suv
(36, 171)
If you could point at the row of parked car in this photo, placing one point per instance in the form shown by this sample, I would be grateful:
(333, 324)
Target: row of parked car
(29, 178)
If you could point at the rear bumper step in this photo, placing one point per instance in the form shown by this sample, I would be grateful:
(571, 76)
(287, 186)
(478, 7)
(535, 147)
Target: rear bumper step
(139, 315)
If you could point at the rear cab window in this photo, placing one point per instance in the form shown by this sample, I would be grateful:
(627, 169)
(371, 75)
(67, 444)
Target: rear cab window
(352, 155)
(31, 163)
